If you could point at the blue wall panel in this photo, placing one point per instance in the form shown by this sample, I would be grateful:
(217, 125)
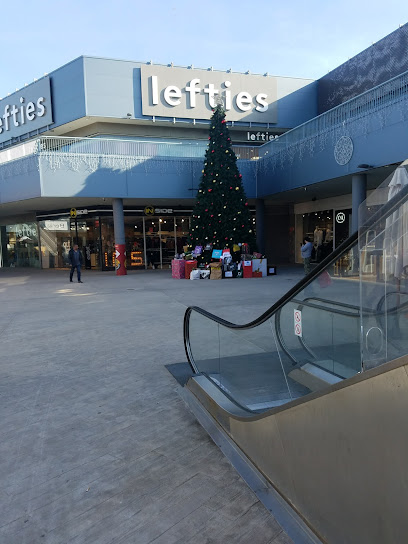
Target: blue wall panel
(24, 183)
(153, 179)
(68, 92)
(370, 148)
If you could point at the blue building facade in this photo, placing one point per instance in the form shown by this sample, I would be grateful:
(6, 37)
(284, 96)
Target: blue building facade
(98, 130)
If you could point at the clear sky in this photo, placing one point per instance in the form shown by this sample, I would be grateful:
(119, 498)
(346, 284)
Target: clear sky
(290, 38)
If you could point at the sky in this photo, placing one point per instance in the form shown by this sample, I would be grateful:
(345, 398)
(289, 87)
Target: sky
(287, 38)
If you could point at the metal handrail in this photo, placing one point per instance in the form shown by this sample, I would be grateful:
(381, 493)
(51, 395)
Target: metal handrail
(383, 95)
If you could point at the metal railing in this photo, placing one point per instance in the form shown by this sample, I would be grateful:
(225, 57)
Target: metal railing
(389, 93)
(106, 147)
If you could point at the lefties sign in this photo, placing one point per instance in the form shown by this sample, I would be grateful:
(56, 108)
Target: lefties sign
(26, 110)
(191, 94)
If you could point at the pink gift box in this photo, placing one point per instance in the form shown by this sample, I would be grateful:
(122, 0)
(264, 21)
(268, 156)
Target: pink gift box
(178, 269)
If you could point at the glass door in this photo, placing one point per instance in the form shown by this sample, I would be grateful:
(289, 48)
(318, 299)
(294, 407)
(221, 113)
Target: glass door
(167, 241)
(153, 249)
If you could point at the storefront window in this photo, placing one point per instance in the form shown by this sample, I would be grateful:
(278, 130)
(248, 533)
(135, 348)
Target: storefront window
(135, 250)
(107, 243)
(153, 250)
(20, 245)
(150, 241)
(318, 226)
(182, 226)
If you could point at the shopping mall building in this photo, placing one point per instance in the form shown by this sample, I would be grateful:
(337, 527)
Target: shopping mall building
(104, 147)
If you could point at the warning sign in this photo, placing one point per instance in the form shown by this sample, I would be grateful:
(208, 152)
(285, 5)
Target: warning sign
(298, 322)
(73, 212)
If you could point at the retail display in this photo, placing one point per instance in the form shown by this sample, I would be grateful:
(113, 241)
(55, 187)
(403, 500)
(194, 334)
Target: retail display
(224, 265)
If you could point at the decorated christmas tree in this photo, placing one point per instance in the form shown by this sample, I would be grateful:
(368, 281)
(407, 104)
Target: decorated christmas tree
(221, 215)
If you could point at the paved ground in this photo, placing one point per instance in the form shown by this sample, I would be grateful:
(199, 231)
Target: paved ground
(95, 444)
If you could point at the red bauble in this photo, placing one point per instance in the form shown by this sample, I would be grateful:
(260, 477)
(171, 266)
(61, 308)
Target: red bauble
(246, 203)
(206, 210)
(209, 190)
(226, 237)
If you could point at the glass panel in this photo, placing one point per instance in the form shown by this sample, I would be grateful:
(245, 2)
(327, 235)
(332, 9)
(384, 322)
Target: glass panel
(251, 368)
(327, 334)
(310, 343)
(167, 240)
(135, 251)
(182, 226)
(20, 245)
(152, 226)
(205, 345)
(107, 243)
(383, 249)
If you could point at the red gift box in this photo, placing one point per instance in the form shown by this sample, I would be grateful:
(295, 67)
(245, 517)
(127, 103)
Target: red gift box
(178, 269)
(247, 266)
(190, 265)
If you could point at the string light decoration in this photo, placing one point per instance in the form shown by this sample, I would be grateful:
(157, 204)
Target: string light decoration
(221, 193)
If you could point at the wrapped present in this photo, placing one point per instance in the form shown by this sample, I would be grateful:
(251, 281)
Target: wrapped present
(260, 265)
(190, 265)
(195, 274)
(246, 257)
(216, 273)
(178, 269)
(247, 269)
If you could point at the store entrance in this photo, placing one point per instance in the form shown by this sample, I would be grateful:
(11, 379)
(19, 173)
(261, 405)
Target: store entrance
(151, 242)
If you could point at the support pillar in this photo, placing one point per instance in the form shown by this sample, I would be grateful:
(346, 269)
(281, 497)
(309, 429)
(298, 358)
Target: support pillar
(260, 225)
(358, 195)
(119, 227)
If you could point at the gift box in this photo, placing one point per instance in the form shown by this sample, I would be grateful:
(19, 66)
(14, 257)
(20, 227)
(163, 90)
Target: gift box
(195, 274)
(178, 269)
(190, 265)
(247, 267)
(261, 265)
(228, 274)
(216, 273)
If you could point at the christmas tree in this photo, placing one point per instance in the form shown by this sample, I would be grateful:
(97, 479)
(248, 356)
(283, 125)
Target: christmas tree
(221, 215)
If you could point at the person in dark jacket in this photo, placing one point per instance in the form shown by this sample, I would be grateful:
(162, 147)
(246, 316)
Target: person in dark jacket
(306, 251)
(75, 258)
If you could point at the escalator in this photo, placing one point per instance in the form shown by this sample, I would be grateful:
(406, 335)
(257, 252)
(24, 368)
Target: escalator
(314, 392)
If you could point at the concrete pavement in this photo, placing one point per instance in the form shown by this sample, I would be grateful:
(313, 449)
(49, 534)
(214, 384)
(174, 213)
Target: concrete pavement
(96, 445)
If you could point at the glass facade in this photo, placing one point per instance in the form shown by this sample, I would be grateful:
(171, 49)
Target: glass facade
(19, 245)
(151, 241)
(326, 229)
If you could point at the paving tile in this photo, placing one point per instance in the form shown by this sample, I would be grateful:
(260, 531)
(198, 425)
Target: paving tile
(96, 446)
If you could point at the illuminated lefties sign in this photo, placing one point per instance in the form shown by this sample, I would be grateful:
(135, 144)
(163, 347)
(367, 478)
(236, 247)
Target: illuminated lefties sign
(26, 110)
(185, 93)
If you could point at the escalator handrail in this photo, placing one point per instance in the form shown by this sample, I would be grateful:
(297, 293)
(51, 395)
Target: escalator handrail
(385, 211)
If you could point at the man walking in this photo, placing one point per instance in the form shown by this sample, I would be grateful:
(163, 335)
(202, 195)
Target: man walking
(75, 258)
(306, 251)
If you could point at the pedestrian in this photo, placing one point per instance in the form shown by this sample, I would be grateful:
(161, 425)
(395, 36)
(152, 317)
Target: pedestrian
(306, 251)
(75, 258)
